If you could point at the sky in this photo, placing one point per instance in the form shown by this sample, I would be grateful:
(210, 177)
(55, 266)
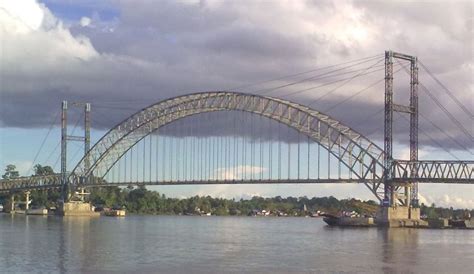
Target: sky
(125, 55)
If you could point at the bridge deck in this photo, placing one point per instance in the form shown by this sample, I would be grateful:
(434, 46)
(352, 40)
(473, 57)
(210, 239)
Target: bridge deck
(28, 183)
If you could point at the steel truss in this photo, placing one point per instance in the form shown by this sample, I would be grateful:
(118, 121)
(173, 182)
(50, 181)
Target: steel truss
(363, 158)
(446, 172)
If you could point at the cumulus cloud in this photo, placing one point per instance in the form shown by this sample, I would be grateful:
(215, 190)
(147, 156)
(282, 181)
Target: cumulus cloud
(23, 167)
(30, 28)
(238, 172)
(446, 200)
(85, 21)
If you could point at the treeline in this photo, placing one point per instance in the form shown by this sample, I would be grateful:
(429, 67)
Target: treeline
(143, 201)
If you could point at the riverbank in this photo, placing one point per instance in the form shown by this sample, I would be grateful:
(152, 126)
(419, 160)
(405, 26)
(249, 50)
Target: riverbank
(143, 201)
(192, 244)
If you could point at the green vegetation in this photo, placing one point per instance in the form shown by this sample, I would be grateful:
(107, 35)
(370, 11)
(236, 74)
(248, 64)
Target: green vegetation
(10, 172)
(143, 201)
(43, 170)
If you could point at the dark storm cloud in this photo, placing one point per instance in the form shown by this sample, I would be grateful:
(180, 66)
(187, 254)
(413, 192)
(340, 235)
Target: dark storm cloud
(156, 50)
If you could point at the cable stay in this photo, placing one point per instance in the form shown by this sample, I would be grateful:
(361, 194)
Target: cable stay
(448, 114)
(44, 141)
(327, 74)
(431, 138)
(327, 84)
(451, 95)
(324, 75)
(346, 81)
(357, 93)
(446, 134)
(304, 72)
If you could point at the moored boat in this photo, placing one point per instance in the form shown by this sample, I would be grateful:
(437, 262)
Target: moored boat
(37, 211)
(115, 213)
(348, 221)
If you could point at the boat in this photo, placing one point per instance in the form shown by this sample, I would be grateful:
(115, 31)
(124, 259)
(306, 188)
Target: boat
(333, 220)
(115, 213)
(330, 219)
(462, 223)
(37, 211)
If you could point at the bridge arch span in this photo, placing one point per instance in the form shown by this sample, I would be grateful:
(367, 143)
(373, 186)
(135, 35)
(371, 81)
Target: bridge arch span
(359, 154)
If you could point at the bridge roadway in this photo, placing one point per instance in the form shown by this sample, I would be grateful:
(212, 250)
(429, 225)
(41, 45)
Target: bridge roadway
(363, 158)
(447, 172)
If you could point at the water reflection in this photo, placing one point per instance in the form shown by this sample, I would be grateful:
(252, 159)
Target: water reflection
(399, 249)
(76, 242)
(163, 244)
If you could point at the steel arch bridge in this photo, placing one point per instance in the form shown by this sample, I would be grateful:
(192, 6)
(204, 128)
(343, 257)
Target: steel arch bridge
(363, 158)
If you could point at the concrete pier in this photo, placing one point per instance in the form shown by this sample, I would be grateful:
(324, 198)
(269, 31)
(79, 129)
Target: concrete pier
(27, 200)
(400, 216)
(78, 208)
(12, 203)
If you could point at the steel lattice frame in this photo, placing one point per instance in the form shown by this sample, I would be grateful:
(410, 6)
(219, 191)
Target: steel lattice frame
(362, 157)
(458, 172)
(31, 182)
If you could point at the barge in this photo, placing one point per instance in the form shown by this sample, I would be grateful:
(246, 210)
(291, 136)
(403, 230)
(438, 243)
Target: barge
(333, 220)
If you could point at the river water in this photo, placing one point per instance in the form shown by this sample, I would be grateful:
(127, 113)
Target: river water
(187, 244)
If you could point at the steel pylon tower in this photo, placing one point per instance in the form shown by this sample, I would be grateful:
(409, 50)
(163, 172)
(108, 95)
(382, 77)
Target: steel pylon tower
(411, 188)
(65, 189)
(64, 181)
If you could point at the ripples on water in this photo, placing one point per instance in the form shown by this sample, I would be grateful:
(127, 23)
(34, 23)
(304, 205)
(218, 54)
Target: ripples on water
(185, 244)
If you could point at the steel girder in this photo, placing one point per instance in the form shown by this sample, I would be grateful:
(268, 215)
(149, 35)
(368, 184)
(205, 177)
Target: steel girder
(54, 181)
(433, 171)
(362, 157)
(32, 182)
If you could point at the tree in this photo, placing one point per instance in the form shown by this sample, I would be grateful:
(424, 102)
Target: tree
(43, 170)
(10, 172)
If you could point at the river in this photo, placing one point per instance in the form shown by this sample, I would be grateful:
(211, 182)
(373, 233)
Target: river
(187, 244)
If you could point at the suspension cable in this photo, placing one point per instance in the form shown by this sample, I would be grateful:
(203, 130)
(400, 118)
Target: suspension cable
(357, 93)
(44, 140)
(346, 81)
(327, 74)
(451, 95)
(440, 106)
(378, 68)
(304, 72)
(431, 139)
(445, 133)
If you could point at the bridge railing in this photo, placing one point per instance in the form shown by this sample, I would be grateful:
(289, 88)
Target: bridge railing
(455, 172)
(31, 182)
(433, 171)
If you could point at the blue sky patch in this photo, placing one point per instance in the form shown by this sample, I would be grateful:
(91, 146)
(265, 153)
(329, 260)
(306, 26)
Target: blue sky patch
(74, 11)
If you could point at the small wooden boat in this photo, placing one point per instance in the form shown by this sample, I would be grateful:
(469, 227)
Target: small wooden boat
(115, 213)
(37, 211)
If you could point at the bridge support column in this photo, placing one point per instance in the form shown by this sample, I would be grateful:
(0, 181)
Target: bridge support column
(12, 203)
(400, 213)
(77, 206)
(27, 200)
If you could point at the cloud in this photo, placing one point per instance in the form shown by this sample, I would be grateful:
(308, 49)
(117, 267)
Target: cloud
(156, 52)
(23, 167)
(446, 200)
(85, 21)
(21, 16)
(238, 172)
